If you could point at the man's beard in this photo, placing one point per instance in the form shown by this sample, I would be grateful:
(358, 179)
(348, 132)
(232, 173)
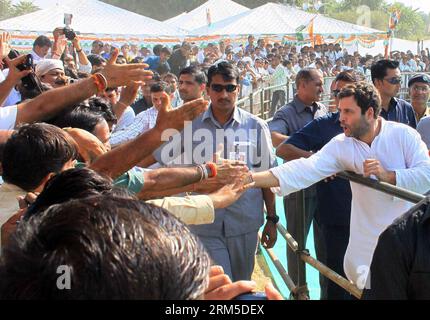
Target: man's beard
(361, 129)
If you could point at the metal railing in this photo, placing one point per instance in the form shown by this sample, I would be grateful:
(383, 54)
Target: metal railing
(259, 101)
(300, 291)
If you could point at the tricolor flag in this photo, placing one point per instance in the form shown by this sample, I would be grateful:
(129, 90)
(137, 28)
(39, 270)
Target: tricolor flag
(394, 19)
(310, 29)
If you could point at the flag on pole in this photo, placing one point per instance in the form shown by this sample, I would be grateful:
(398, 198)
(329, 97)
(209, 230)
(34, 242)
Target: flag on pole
(311, 32)
(394, 19)
(310, 29)
(208, 17)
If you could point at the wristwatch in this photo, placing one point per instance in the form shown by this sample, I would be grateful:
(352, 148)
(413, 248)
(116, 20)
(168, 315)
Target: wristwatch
(274, 218)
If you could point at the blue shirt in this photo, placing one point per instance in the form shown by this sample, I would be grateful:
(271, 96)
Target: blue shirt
(251, 135)
(334, 196)
(400, 111)
(153, 62)
(295, 115)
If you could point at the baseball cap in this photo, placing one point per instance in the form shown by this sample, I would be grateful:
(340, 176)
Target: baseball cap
(419, 78)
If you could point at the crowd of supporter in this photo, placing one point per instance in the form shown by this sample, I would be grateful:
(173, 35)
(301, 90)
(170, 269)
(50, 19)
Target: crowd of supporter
(94, 145)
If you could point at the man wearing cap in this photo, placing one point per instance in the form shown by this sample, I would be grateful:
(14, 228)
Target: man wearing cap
(51, 71)
(419, 92)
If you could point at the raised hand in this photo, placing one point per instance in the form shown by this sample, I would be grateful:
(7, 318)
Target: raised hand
(176, 118)
(125, 74)
(89, 146)
(14, 74)
(4, 44)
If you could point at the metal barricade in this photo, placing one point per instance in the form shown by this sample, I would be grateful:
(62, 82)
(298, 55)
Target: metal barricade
(300, 291)
(259, 101)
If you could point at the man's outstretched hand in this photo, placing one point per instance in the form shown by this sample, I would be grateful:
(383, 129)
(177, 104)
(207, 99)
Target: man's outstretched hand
(169, 118)
(118, 75)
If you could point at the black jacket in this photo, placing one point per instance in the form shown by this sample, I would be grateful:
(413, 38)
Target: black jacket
(400, 267)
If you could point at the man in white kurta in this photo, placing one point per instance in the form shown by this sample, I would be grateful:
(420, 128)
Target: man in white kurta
(385, 150)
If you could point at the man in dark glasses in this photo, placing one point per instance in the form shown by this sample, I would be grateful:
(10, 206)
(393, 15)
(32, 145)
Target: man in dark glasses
(387, 79)
(232, 239)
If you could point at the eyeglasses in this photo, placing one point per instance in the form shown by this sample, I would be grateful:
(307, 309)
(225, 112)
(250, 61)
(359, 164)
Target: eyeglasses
(219, 87)
(394, 80)
(335, 93)
(421, 89)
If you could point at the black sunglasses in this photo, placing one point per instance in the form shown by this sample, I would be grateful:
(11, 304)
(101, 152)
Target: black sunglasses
(219, 87)
(394, 80)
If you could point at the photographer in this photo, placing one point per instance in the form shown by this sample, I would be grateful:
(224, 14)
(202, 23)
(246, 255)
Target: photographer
(61, 35)
(13, 78)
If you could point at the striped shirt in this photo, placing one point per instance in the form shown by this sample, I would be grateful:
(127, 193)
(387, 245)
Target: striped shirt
(143, 122)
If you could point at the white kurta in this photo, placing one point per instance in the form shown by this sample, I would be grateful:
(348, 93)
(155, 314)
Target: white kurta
(399, 148)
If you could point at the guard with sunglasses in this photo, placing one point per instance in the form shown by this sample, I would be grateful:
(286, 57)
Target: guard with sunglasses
(387, 79)
(232, 239)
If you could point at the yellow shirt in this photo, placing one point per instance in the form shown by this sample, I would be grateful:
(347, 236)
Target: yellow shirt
(195, 209)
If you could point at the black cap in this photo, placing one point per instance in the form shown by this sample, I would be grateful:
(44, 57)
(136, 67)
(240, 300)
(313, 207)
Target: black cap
(419, 78)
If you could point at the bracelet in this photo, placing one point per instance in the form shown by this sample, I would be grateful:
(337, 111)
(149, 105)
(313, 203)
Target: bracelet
(202, 175)
(105, 82)
(213, 169)
(78, 51)
(205, 171)
(100, 82)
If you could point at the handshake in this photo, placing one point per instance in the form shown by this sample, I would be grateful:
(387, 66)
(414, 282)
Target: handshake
(232, 180)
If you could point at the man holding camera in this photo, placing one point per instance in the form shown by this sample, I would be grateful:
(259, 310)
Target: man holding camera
(61, 35)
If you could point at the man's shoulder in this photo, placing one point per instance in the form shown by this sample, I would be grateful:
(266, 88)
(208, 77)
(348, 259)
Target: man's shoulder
(403, 103)
(399, 131)
(248, 117)
(407, 224)
(287, 108)
(424, 121)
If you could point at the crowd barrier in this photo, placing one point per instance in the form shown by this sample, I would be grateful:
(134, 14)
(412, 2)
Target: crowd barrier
(299, 290)
(259, 101)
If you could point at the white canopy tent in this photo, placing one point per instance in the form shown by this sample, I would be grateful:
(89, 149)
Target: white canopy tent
(281, 20)
(90, 17)
(210, 12)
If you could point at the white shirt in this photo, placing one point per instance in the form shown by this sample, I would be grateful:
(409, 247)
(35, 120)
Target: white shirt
(126, 119)
(36, 57)
(8, 117)
(143, 122)
(14, 96)
(399, 148)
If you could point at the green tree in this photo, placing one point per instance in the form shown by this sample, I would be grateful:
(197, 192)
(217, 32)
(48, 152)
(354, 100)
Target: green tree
(412, 24)
(24, 7)
(5, 9)
(9, 10)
